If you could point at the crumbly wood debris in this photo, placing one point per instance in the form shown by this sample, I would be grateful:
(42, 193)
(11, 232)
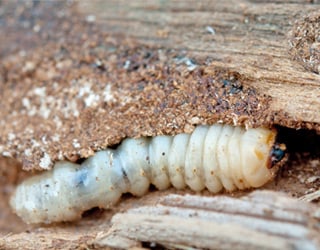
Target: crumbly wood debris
(84, 90)
(71, 85)
(304, 39)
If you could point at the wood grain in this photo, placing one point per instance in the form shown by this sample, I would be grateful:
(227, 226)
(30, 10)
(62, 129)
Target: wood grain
(78, 78)
(262, 220)
(250, 37)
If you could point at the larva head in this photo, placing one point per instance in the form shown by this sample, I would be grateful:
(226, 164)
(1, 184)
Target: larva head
(277, 155)
(261, 156)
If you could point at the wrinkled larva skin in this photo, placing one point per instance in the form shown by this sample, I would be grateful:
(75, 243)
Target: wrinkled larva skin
(212, 157)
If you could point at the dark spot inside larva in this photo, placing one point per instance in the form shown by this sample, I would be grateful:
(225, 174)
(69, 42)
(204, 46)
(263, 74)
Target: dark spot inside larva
(80, 177)
(240, 180)
(194, 214)
(148, 159)
(163, 153)
(124, 173)
(212, 172)
(47, 185)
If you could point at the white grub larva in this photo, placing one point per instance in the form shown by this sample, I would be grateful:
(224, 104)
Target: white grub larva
(212, 157)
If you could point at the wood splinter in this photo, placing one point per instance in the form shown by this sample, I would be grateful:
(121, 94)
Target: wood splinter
(261, 220)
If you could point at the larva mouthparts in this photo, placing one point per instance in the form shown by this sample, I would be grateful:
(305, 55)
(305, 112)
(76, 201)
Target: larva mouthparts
(212, 157)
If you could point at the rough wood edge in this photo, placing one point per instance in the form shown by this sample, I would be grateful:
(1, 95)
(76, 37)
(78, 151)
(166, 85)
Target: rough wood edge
(192, 223)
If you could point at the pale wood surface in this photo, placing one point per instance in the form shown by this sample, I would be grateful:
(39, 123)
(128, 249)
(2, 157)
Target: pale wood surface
(250, 37)
(262, 220)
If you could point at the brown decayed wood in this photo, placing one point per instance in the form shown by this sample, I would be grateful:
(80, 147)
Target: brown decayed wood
(74, 83)
(305, 41)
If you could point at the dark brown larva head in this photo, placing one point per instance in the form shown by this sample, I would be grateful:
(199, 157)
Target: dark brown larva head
(278, 154)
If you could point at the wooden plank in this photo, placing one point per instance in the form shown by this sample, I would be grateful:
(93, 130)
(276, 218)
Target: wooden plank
(273, 221)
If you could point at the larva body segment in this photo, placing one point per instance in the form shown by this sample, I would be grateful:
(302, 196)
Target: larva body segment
(158, 154)
(210, 160)
(134, 152)
(176, 160)
(194, 176)
(213, 157)
(257, 146)
(234, 161)
(223, 157)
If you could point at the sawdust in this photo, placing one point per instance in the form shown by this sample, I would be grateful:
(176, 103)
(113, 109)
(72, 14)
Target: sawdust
(304, 40)
(84, 90)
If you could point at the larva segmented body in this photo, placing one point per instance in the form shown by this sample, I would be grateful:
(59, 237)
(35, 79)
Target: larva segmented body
(212, 157)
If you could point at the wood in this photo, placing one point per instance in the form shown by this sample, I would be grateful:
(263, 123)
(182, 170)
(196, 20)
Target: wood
(87, 75)
(248, 40)
(262, 220)
(249, 37)
(311, 197)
